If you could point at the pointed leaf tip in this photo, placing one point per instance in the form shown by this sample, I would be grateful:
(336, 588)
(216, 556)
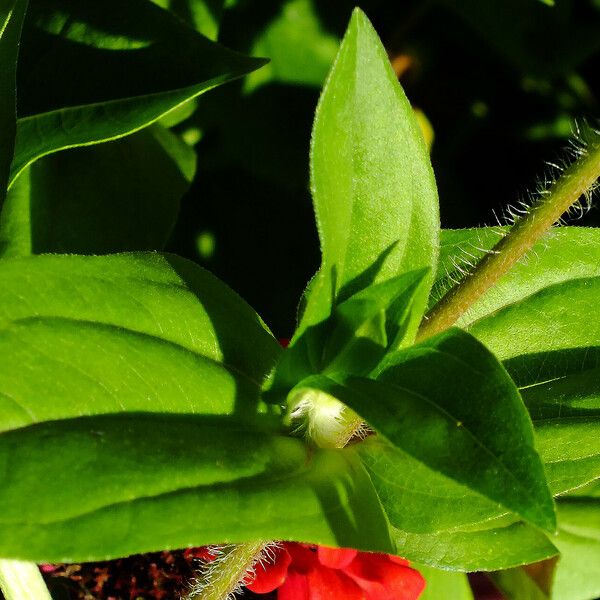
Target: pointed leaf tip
(372, 183)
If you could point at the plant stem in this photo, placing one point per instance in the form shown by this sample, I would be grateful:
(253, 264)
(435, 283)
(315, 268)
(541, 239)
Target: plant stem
(228, 572)
(20, 580)
(576, 180)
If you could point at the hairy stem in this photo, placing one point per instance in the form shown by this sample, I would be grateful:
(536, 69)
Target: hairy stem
(20, 580)
(226, 575)
(576, 181)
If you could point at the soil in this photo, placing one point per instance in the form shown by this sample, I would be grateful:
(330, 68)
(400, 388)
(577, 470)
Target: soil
(154, 576)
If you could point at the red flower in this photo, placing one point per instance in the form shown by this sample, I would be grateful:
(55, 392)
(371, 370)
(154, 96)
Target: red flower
(303, 572)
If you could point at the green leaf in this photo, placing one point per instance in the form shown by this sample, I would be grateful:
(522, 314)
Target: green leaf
(101, 487)
(570, 450)
(356, 336)
(12, 13)
(444, 584)
(448, 403)
(564, 254)
(419, 498)
(371, 178)
(578, 571)
(380, 314)
(108, 70)
(488, 549)
(132, 332)
(540, 319)
(556, 318)
(550, 343)
(203, 15)
(119, 196)
(300, 48)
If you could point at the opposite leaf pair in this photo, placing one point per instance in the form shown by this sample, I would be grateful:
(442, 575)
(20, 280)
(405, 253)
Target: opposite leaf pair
(143, 404)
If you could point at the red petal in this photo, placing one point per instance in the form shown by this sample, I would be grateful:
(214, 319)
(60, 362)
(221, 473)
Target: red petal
(384, 579)
(204, 553)
(304, 558)
(294, 588)
(398, 560)
(270, 575)
(332, 584)
(45, 568)
(335, 558)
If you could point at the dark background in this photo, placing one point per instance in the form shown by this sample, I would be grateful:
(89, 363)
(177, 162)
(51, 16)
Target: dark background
(499, 80)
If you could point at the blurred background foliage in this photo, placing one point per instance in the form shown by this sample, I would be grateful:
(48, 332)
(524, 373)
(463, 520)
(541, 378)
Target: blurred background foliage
(497, 84)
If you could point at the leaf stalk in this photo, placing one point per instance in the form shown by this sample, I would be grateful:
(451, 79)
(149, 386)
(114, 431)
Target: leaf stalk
(577, 180)
(20, 580)
(229, 572)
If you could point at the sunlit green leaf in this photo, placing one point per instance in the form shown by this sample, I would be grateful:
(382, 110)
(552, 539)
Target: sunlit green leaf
(540, 320)
(448, 403)
(102, 487)
(147, 333)
(372, 184)
(418, 498)
(444, 584)
(488, 549)
(563, 254)
(356, 336)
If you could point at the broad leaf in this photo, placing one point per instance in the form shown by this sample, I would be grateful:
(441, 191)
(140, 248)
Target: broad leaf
(570, 450)
(102, 487)
(448, 403)
(372, 184)
(119, 196)
(501, 547)
(550, 343)
(444, 584)
(108, 69)
(556, 318)
(418, 498)
(147, 333)
(540, 320)
(12, 13)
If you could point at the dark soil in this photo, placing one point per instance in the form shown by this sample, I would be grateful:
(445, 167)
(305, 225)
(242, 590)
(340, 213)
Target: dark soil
(154, 576)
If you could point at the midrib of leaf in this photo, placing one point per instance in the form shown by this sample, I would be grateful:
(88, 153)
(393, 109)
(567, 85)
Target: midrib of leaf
(356, 161)
(546, 381)
(251, 480)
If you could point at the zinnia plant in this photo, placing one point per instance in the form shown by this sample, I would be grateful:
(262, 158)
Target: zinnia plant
(438, 400)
